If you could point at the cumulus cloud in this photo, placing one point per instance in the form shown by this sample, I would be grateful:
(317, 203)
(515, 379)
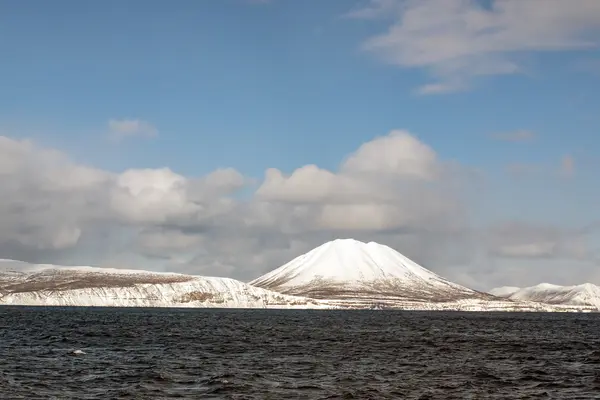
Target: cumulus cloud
(48, 202)
(458, 40)
(120, 129)
(393, 189)
(45, 196)
(392, 182)
(160, 195)
(399, 153)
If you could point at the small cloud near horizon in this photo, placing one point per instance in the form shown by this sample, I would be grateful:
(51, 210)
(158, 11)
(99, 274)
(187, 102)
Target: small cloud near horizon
(120, 129)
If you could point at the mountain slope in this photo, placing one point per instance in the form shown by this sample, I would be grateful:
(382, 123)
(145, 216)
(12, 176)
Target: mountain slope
(49, 285)
(347, 268)
(586, 294)
(87, 286)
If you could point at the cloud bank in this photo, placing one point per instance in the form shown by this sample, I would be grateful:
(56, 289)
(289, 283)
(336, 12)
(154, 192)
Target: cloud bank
(394, 189)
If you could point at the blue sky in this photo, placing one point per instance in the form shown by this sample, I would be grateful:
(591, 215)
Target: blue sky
(282, 84)
(286, 76)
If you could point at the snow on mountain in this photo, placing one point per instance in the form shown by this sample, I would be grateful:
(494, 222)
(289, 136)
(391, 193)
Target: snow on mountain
(347, 268)
(586, 294)
(89, 286)
(377, 286)
(504, 291)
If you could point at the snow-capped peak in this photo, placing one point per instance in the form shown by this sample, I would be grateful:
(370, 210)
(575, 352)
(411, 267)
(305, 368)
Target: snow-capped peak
(348, 265)
(404, 286)
(347, 260)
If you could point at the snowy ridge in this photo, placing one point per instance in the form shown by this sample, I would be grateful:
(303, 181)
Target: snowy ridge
(586, 294)
(347, 268)
(48, 285)
(93, 287)
(89, 286)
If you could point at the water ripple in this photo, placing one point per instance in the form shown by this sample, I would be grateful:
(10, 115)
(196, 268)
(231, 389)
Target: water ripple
(84, 353)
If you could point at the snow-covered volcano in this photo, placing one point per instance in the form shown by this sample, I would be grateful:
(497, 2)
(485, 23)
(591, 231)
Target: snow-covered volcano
(350, 269)
(586, 294)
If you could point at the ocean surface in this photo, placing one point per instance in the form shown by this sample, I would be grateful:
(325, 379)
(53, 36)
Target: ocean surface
(256, 354)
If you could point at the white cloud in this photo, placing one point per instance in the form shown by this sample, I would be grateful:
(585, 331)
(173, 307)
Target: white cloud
(457, 40)
(49, 203)
(367, 174)
(151, 195)
(390, 182)
(44, 196)
(160, 195)
(399, 153)
(440, 88)
(393, 189)
(120, 129)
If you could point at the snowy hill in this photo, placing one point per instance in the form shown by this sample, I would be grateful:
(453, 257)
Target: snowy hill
(350, 269)
(586, 294)
(88, 286)
(50, 285)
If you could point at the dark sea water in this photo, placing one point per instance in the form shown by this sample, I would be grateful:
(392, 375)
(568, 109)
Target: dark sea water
(252, 354)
